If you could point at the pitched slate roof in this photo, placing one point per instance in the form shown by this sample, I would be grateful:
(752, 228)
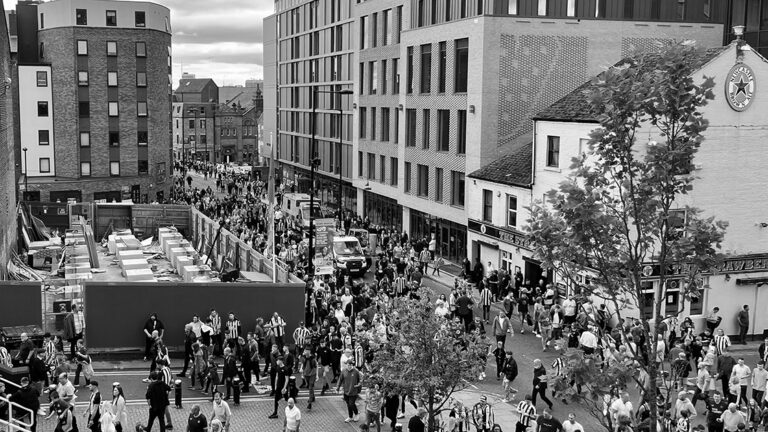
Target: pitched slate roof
(575, 106)
(194, 85)
(513, 169)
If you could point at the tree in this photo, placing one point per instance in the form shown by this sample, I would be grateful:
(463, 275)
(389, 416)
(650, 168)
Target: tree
(617, 213)
(424, 353)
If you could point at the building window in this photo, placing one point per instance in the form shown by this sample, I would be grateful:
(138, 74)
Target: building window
(85, 169)
(85, 139)
(479, 7)
(111, 18)
(439, 184)
(112, 79)
(363, 122)
(542, 9)
(113, 109)
(141, 79)
(82, 78)
(457, 188)
(393, 171)
(45, 165)
(512, 7)
(407, 177)
(373, 124)
(462, 63)
(373, 77)
(191, 124)
(42, 109)
(410, 127)
(362, 77)
(84, 109)
(371, 174)
(553, 151)
(461, 133)
(364, 33)
(463, 9)
(141, 109)
(395, 76)
(114, 168)
(441, 68)
(387, 23)
(143, 167)
(111, 48)
(420, 13)
(202, 122)
(570, 8)
(140, 19)
(409, 72)
(43, 137)
(443, 127)
(114, 139)
(141, 49)
(42, 78)
(384, 81)
(385, 124)
(487, 206)
(397, 127)
(81, 17)
(82, 47)
(382, 168)
(426, 130)
(359, 164)
(426, 69)
(42, 20)
(511, 211)
(374, 30)
(422, 172)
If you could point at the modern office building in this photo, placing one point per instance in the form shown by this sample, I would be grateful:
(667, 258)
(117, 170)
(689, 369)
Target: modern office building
(94, 99)
(442, 88)
(8, 171)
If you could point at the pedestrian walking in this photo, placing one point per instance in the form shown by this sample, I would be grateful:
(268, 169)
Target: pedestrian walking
(309, 373)
(482, 415)
(93, 413)
(29, 398)
(292, 421)
(527, 412)
(351, 382)
(743, 319)
(153, 329)
(118, 407)
(373, 404)
(486, 299)
(281, 384)
(157, 399)
(220, 411)
(540, 380)
(196, 421)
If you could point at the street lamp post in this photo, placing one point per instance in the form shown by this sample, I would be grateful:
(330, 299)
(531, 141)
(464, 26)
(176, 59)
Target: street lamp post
(26, 175)
(314, 162)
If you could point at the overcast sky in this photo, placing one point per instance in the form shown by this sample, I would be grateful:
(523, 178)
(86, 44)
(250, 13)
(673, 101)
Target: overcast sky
(219, 39)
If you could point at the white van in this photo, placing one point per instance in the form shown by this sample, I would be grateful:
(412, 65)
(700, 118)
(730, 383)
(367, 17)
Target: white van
(292, 203)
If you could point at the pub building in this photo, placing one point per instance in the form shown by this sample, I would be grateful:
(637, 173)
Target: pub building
(730, 185)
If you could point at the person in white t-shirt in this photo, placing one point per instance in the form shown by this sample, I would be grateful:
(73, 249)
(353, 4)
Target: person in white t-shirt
(292, 420)
(571, 425)
(622, 407)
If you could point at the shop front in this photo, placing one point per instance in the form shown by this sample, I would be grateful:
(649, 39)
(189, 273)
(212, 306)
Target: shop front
(382, 211)
(451, 237)
(327, 191)
(507, 249)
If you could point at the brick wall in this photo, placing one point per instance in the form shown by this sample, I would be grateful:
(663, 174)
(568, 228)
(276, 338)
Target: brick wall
(7, 156)
(60, 50)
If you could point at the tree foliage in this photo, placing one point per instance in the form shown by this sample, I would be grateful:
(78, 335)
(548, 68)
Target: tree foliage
(619, 208)
(424, 355)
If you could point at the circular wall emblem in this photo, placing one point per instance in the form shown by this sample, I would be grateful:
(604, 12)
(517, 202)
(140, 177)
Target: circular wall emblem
(483, 229)
(740, 87)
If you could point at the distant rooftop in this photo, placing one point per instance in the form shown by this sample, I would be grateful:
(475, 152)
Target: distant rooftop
(513, 169)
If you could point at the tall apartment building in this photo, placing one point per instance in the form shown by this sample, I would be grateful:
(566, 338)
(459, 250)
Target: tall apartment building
(443, 87)
(94, 99)
(8, 171)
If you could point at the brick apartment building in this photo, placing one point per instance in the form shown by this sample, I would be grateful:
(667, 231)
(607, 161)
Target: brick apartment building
(94, 99)
(8, 171)
(442, 88)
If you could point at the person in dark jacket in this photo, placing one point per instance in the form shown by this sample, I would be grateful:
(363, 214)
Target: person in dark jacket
(38, 371)
(229, 370)
(153, 324)
(29, 398)
(189, 339)
(157, 398)
(416, 423)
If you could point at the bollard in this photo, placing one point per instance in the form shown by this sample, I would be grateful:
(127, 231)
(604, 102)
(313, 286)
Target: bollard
(177, 391)
(398, 427)
(236, 390)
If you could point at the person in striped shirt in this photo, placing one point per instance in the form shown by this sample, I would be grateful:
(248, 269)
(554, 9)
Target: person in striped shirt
(486, 298)
(527, 412)
(216, 336)
(277, 324)
(166, 377)
(301, 336)
(721, 342)
(233, 330)
(399, 285)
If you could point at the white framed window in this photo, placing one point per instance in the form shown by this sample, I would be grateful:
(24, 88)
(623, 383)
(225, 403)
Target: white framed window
(141, 109)
(113, 109)
(141, 49)
(85, 139)
(45, 165)
(511, 211)
(112, 79)
(111, 48)
(82, 47)
(82, 78)
(542, 9)
(570, 8)
(85, 169)
(553, 151)
(114, 168)
(141, 79)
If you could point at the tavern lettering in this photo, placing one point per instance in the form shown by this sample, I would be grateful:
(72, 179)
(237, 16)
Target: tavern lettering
(729, 265)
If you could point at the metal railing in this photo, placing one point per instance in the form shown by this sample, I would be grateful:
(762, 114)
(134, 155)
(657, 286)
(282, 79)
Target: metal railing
(9, 383)
(14, 424)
